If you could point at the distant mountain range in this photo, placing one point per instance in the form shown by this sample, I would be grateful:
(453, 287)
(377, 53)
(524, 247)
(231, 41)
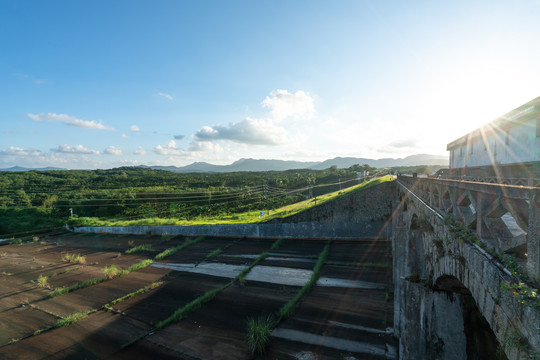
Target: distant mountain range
(18, 168)
(278, 165)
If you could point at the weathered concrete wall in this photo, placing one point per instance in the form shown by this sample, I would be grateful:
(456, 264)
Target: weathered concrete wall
(431, 254)
(298, 230)
(372, 204)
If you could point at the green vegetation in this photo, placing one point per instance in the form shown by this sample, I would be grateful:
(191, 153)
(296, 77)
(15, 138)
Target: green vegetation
(242, 276)
(212, 254)
(140, 248)
(36, 202)
(248, 217)
(137, 292)
(524, 293)
(218, 252)
(193, 305)
(73, 318)
(277, 244)
(286, 310)
(259, 329)
(43, 281)
(76, 259)
(182, 312)
(109, 272)
(162, 255)
(258, 334)
(66, 321)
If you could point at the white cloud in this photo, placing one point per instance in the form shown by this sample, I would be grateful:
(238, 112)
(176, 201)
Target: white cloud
(69, 120)
(125, 162)
(17, 151)
(166, 96)
(205, 146)
(404, 143)
(140, 151)
(169, 149)
(124, 136)
(78, 149)
(179, 137)
(112, 150)
(248, 131)
(283, 105)
(134, 128)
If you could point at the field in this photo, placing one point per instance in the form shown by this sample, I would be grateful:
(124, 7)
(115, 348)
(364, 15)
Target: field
(97, 296)
(248, 217)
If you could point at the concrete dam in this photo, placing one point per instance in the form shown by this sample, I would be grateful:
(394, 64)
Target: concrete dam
(456, 293)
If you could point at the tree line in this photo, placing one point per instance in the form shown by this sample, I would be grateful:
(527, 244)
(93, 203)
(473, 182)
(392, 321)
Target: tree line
(40, 199)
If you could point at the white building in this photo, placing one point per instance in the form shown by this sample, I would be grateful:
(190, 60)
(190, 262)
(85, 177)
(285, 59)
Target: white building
(509, 145)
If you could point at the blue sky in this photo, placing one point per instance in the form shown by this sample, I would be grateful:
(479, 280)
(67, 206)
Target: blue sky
(101, 84)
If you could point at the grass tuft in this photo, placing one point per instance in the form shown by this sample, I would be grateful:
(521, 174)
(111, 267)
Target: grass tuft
(76, 259)
(43, 281)
(111, 272)
(258, 334)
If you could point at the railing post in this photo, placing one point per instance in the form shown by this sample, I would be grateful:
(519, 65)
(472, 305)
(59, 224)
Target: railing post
(533, 235)
(480, 206)
(440, 205)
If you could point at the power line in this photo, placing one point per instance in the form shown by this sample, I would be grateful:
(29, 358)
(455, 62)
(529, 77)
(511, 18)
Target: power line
(207, 196)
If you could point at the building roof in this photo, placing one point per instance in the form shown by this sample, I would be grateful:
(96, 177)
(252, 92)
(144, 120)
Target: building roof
(518, 116)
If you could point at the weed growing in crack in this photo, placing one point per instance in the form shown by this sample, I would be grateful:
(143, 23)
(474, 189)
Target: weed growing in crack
(287, 310)
(140, 248)
(111, 272)
(258, 333)
(162, 255)
(43, 281)
(76, 259)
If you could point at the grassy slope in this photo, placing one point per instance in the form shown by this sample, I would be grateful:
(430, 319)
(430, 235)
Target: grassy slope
(242, 218)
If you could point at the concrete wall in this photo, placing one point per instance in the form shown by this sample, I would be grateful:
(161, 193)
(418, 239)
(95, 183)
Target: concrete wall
(286, 230)
(372, 204)
(433, 254)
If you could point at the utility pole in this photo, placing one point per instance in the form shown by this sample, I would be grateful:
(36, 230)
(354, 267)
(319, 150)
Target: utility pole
(266, 196)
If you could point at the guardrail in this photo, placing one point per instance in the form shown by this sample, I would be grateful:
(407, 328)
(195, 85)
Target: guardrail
(506, 218)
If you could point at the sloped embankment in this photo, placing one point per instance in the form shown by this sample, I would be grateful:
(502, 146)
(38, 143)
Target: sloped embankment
(373, 204)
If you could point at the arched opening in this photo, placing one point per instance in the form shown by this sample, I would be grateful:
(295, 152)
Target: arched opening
(481, 341)
(421, 223)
